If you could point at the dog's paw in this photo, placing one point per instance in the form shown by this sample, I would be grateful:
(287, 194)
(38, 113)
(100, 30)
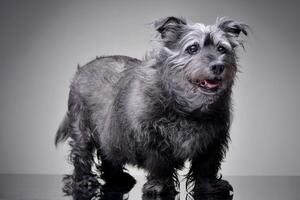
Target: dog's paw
(213, 187)
(87, 182)
(68, 184)
(156, 187)
(85, 185)
(122, 182)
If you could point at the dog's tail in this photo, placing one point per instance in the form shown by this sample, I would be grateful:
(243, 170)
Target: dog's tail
(62, 133)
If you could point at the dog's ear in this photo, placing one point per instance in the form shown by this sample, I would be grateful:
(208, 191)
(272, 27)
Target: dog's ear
(169, 28)
(168, 25)
(232, 27)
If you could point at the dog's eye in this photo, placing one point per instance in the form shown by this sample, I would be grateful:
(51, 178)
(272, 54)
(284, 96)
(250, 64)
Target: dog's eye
(221, 49)
(192, 49)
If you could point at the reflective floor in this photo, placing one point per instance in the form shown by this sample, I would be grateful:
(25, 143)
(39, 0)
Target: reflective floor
(37, 187)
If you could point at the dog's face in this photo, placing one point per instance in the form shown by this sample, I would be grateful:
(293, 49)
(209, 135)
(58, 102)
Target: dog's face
(200, 61)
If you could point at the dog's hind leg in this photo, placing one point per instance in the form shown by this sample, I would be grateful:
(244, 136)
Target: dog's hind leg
(82, 150)
(82, 178)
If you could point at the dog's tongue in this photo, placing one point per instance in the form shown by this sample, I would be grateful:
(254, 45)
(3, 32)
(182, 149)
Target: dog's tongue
(210, 83)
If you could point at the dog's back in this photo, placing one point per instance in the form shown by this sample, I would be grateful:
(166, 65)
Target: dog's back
(93, 89)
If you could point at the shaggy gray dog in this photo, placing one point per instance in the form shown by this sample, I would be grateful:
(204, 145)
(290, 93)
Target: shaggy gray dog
(157, 113)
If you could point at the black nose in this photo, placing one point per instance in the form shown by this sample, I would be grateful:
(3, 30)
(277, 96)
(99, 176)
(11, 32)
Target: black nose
(217, 69)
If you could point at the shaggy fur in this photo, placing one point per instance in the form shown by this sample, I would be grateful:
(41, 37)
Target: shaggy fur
(157, 113)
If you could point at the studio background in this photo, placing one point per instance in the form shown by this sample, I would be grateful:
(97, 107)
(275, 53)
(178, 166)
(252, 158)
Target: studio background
(41, 43)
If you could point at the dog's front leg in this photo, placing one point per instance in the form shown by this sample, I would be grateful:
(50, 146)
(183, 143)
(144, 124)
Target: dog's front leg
(204, 172)
(162, 175)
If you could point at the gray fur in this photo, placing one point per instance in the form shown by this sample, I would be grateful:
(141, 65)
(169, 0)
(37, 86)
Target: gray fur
(151, 113)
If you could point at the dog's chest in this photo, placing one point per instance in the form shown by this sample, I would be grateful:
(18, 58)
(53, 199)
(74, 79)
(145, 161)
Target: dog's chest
(186, 138)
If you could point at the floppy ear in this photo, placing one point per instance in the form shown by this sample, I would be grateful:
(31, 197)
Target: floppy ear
(169, 28)
(233, 28)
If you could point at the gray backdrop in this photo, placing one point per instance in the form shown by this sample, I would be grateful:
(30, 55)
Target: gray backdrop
(41, 42)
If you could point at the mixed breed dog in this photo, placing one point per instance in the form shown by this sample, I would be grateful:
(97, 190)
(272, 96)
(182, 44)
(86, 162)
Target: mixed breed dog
(173, 106)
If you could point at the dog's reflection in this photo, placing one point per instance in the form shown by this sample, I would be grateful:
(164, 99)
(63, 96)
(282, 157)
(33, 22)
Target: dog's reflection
(209, 197)
(108, 191)
(121, 192)
(188, 197)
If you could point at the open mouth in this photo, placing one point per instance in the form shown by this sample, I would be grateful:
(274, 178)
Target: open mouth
(208, 85)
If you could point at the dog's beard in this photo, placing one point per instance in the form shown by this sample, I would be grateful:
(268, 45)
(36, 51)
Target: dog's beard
(191, 96)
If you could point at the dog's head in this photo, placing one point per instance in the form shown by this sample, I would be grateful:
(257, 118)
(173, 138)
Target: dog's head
(199, 62)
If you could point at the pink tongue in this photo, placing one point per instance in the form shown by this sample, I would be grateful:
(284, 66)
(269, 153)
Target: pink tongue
(211, 83)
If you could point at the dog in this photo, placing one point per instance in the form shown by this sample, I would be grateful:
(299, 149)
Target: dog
(157, 113)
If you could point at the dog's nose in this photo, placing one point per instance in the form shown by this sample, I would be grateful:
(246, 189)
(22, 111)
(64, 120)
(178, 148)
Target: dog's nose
(217, 69)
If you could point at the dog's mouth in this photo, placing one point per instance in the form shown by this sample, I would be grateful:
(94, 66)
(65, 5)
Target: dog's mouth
(208, 85)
